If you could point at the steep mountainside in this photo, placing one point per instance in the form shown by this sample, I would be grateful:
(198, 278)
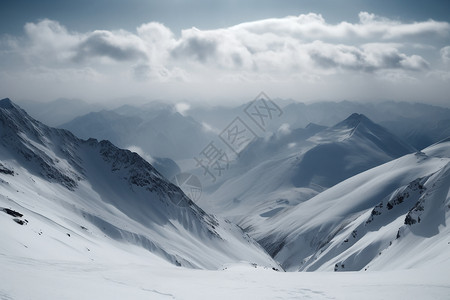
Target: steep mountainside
(391, 216)
(90, 198)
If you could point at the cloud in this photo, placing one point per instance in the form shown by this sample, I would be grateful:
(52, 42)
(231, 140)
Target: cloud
(182, 107)
(307, 43)
(304, 48)
(373, 26)
(208, 128)
(445, 54)
(47, 42)
(313, 26)
(118, 46)
(284, 129)
(220, 48)
(144, 72)
(302, 43)
(197, 46)
(142, 153)
(50, 37)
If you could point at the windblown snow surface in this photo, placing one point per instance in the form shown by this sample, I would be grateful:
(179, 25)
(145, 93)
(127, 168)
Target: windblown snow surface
(86, 220)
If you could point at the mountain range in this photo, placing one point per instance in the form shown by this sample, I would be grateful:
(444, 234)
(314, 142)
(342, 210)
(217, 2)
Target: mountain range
(345, 197)
(272, 175)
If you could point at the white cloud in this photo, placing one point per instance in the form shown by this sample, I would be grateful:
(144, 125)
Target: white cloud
(142, 153)
(313, 26)
(182, 107)
(284, 129)
(292, 145)
(272, 45)
(439, 75)
(47, 41)
(303, 48)
(208, 128)
(292, 44)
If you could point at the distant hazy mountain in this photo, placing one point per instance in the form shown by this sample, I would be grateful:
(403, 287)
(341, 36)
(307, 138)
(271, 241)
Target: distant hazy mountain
(346, 149)
(158, 129)
(105, 125)
(77, 200)
(419, 124)
(58, 111)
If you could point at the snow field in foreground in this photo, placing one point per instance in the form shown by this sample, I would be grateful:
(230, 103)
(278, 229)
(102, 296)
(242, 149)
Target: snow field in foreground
(23, 278)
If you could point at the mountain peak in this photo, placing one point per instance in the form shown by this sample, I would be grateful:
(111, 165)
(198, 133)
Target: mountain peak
(15, 117)
(314, 126)
(13, 110)
(354, 120)
(6, 103)
(357, 117)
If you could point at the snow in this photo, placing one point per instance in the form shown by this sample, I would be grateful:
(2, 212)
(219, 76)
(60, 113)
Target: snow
(87, 220)
(76, 194)
(127, 278)
(270, 176)
(351, 224)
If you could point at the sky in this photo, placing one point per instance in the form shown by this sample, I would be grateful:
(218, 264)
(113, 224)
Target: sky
(225, 51)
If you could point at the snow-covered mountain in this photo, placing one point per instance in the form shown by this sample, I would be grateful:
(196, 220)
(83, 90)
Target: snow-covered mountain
(66, 198)
(83, 219)
(419, 124)
(346, 149)
(275, 174)
(392, 216)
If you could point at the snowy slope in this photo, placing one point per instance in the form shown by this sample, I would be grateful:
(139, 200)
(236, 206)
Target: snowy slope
(276, 174)
(392, 216)
(62, 197)
(86, 220)
(148, 278)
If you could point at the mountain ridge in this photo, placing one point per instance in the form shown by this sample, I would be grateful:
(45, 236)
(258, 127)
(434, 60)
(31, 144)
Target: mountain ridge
(289, 168)
(114, 193)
